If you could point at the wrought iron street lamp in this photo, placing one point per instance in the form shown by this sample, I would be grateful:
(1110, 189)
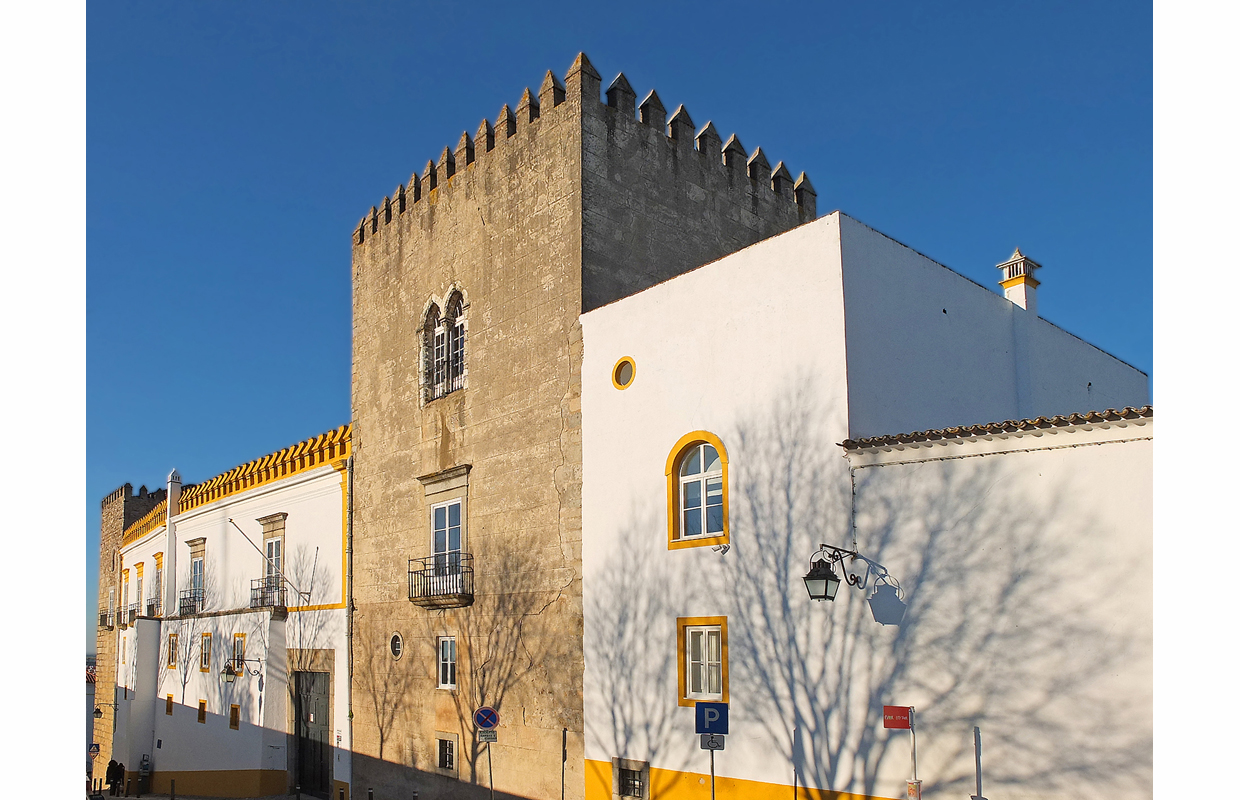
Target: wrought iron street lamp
(235, 667)
(886, 602)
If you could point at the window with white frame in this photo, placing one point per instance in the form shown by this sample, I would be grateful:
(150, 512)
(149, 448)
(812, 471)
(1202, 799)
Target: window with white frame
(447, 662)
(701, 492)
(703, 662)
(444, 348)
(446, 537)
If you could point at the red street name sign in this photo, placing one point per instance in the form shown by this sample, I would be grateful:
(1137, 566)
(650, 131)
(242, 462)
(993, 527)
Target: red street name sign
(896, 717)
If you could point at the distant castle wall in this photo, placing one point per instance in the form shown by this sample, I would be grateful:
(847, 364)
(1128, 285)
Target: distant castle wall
(119, 510)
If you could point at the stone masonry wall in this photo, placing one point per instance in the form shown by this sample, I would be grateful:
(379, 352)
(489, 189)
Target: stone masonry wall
(505, 230)
(561, 205)
(659, 199)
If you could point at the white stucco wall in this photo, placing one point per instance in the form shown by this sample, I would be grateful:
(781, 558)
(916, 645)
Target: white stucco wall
(314, 551)
(913, 367)
(749, 348)
(783, 350)
(1028, 559)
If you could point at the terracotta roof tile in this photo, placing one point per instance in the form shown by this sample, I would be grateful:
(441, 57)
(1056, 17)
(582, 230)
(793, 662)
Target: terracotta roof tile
(1008, 426)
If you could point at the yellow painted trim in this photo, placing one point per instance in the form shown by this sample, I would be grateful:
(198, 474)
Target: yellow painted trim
(204, 655)
(340, 465)
(672, 472)
(237, 636)
(138, 568)
(148, 522)
(172, 651)
(159, 560)
(616, 370)
(322, 450)
(1018, 280)
(222, 782)
(694, 622)
(668, 784)
(316, 608)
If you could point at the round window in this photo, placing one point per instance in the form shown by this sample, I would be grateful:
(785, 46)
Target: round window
(397, 645)
(622, 374)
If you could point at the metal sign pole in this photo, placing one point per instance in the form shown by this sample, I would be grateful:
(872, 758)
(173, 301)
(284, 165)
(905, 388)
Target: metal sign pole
(712, 775)
(912, 724)
(977, 750)
(490, 771)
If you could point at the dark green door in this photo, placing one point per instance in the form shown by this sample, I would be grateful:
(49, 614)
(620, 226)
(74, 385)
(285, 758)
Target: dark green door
(314, 766)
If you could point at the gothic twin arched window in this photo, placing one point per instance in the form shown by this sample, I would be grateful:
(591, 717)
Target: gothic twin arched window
(443, 348)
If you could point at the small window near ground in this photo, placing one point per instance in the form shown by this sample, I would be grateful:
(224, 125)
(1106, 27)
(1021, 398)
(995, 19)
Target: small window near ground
(397, 645)
(168, 705)
(234, 717)
(447, 754)
(172, 650)
(204, 659)
(631, 783)
(202, 711)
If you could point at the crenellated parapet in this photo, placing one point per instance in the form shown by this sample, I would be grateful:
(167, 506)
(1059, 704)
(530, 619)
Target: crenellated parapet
(581, 90)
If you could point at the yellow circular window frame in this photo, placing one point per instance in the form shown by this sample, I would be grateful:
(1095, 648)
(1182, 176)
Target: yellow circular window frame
(615, 372)
(673, 491)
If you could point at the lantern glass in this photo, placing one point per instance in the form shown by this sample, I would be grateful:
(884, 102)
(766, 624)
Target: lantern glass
(822, 583)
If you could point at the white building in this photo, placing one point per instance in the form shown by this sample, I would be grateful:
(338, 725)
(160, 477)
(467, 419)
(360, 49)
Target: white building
(233, 653)
(713, 406)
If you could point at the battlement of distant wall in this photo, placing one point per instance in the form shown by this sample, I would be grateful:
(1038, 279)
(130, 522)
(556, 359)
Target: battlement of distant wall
(679, 136)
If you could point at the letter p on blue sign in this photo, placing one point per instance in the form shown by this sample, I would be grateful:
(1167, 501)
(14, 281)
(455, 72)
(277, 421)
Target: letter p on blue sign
(712, 718)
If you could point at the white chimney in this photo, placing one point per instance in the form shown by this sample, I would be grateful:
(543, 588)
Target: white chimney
(1018, 282)
(170, 545)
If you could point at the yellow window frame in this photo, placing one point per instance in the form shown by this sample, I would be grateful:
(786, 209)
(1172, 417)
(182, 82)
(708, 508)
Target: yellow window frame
(679, 451)
(682, 623)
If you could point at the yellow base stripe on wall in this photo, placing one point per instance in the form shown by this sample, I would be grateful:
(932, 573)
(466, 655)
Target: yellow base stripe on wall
(667, 784)
(220, 783)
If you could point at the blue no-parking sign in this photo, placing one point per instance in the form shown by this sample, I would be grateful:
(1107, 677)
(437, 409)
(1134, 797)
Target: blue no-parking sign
(712, 718)
(486, 718)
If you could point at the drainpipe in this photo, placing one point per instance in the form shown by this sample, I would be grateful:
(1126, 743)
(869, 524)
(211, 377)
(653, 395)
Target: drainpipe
(348, 609)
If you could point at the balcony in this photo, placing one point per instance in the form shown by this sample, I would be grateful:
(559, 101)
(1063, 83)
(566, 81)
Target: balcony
(154, 606)
(268, 592)
(192, 601)
(131, 613)
(106, 620)
(445, 580)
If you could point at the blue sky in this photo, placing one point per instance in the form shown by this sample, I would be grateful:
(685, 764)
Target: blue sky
(231, 148)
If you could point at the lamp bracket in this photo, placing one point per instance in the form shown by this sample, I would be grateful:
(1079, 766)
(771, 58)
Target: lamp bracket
(836, 555)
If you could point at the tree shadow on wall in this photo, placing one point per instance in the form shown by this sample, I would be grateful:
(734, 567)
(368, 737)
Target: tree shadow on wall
(507, 658)
(982, 642)
(632, 672)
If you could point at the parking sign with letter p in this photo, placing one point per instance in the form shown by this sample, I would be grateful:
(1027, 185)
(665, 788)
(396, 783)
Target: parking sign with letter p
(712, 718)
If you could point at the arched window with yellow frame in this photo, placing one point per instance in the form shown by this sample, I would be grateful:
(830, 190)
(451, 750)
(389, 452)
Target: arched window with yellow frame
(697, 492)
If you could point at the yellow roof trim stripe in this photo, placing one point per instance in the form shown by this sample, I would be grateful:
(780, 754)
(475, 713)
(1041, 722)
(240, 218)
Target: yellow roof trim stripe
(317, 451)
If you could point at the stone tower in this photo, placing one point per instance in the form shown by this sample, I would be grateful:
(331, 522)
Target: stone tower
(118, 511)
(468, 285)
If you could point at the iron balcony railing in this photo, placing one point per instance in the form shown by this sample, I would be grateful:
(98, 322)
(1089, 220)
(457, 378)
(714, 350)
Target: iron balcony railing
(444, 580)
(154, 607)
(131, 613)
(106, 620)
(192, 601)
(268, 592)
